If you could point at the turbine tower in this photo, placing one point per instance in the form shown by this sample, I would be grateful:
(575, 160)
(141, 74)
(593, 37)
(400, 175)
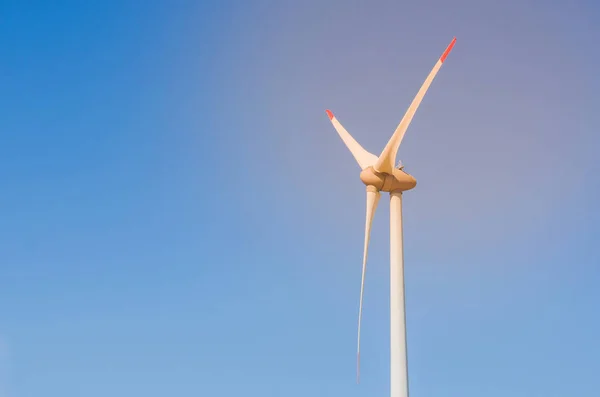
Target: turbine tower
(380, 175)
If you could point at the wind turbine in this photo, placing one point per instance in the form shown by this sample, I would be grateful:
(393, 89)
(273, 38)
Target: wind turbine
(379, 174)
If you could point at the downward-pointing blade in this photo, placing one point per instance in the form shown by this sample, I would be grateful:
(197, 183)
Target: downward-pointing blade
(373, 196)
(386, 160)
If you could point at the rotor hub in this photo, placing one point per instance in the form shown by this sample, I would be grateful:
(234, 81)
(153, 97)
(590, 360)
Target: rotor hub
(397, 181)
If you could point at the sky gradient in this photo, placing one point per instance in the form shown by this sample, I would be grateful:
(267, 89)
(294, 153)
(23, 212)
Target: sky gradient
(179, 217)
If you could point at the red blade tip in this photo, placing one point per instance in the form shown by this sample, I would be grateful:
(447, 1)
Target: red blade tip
(445, 54)
(329, 114)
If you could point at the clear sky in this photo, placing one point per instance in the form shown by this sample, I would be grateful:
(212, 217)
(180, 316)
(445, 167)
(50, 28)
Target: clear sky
(179, 218)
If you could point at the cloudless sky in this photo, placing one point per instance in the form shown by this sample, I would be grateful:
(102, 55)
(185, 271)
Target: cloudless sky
(179, 218)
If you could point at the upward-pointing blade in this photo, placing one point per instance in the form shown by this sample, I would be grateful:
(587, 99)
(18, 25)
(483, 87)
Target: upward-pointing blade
(372, 201)
(362, 157)
(386, 160)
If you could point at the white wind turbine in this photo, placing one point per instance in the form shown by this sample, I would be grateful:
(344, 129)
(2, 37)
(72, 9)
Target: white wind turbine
(379, 174)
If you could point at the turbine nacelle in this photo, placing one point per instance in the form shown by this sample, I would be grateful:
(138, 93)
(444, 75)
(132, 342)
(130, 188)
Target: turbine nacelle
(398, 180)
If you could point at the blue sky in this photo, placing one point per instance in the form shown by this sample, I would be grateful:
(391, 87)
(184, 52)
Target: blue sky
(180, 218)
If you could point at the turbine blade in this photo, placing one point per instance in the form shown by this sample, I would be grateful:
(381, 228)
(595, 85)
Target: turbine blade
(363, 158)
(373, 196)
(386, 160)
